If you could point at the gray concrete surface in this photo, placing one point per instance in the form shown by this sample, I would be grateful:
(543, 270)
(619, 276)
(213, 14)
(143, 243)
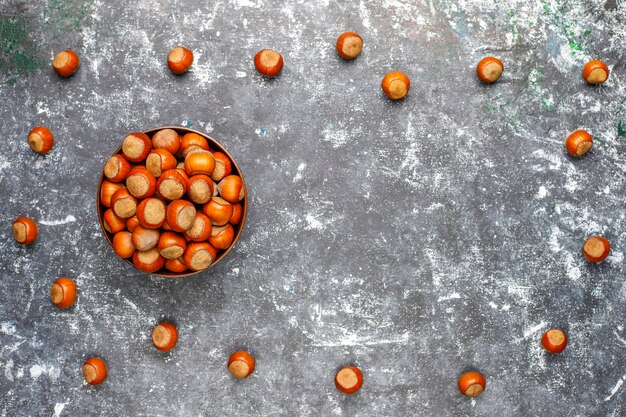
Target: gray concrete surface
(416, 239)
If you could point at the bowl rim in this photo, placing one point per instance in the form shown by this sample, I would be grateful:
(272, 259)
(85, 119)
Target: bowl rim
(100, 208)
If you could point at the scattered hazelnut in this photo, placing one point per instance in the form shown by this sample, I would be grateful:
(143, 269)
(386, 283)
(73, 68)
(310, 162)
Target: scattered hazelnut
(179, 60)
(554, 340)
(66, 63)
(40, 139)
(94, 371)
(489, 69)
(595, 72)
(596, 249)
(349, 45)
(63, 292)
(241, 364)
(396, 85)
(349, 379)
(268, 62)
(578, 143)
(164, 336)
(472, 384)
(25, 230)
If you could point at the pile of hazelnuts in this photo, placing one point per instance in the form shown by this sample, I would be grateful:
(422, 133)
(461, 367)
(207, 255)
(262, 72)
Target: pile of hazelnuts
(171, 202)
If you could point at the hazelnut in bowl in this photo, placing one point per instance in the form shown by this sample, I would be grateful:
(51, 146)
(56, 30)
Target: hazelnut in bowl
(171, 201)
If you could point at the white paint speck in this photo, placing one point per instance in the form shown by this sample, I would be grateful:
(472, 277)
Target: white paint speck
(58, 409)
(452, 296)
(616, 388)
(68, 219)
(542, 193)
(240, 74)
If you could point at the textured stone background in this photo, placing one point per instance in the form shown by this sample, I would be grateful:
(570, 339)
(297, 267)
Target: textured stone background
(416, 239)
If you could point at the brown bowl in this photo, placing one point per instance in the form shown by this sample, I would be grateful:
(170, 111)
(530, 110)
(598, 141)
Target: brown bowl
(213, 144)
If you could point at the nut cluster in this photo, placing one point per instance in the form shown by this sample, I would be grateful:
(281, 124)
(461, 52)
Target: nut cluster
(171, 201)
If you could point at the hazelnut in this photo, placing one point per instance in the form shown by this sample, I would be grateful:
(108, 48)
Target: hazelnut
(201, 188)
(160, 160)
(349, 379)
(349, 45)
(123, 244)
(200, 230)
(489, 69)
(166, 139)
(151, 213)
(396, 85)
(148, 261)
(140, 182)
(136, 146)
(199, 256)
(218, 210)
(596, 249)
(145, 239)
(164, 336)
(199, 162)
(193, 142)
(231, 189)
(471, 384)
(595, 72)
(107, 190)
(578, 143)
(180, 215)
(241, 364)
(554, 340)
(112, 223)
(237, 214)
(124, 205)
(179, 60)
(268, 62)
(172, 184)
(222, 236)
(94, 371)
(63, 292)
(116, 168)
(40, 139)
(176, 265)
(25, 230)
(66, 63)
(223, 166)
(171, 245)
